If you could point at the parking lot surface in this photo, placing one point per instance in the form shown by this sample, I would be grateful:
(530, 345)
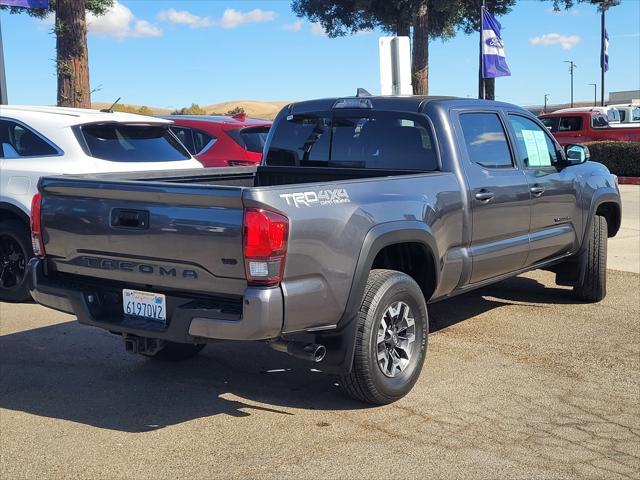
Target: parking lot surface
(520, 381)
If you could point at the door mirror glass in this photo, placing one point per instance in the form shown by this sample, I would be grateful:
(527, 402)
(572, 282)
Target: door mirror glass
(577, 154)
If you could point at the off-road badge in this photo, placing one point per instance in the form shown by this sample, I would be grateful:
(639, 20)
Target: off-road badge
(322, 197)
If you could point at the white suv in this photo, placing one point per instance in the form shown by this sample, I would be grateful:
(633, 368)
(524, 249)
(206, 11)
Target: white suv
(38, 141)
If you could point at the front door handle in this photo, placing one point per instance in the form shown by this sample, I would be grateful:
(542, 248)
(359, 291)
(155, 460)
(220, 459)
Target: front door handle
(484, 195)
(537, 190)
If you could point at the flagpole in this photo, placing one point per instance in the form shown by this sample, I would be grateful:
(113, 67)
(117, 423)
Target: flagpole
(481, 92)
(602, 39)
(3, 75)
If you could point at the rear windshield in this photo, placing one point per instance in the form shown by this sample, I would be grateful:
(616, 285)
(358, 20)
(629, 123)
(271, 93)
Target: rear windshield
(251, 138)
(133, 143)
(372, 140)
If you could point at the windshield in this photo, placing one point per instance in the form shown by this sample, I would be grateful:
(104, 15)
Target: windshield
(133, 143)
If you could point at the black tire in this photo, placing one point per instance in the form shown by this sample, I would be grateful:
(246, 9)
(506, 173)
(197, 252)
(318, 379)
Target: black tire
(15, 253)
(176, 352)
(367, 382)
(592, 264)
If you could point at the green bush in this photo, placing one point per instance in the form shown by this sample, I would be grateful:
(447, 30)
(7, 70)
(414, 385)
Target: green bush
(621, 158)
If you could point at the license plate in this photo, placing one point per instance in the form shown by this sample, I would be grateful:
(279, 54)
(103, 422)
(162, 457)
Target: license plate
(144, 304)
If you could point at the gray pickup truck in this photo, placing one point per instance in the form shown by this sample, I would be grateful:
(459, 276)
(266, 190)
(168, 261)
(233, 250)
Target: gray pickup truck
(364, 210)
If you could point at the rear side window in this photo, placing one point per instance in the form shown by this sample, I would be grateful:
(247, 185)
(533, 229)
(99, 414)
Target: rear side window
(623, 115)
(570, 124)
(202, 141)
(381, 140)
(185, 136)
(132, 143)
(485, 139)
(551, 123)
(599, 121)
(18, 141)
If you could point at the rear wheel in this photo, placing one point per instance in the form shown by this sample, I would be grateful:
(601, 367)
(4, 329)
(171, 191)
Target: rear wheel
(176, 352)
(391, 339)
(592, 264)
(15, 252)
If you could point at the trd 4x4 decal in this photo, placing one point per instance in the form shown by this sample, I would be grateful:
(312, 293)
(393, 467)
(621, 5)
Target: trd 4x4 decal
(322, 197)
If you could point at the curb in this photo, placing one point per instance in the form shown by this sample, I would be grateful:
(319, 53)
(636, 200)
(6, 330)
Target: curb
(629, 180)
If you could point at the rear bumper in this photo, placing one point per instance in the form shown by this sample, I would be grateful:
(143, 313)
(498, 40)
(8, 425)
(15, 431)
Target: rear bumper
(258, 315)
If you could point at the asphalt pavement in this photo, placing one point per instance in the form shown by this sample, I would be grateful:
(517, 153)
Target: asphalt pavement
(520, 381)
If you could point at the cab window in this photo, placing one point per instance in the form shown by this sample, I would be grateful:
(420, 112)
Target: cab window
(535, 148)
(486, 140)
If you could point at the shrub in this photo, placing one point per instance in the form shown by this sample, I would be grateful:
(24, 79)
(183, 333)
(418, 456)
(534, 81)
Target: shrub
(621, 158)
(194, 109)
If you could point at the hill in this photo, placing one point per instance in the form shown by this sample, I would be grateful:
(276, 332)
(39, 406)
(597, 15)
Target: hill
(253, 108)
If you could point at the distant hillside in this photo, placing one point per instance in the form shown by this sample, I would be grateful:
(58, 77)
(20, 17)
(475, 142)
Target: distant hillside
(253, 108)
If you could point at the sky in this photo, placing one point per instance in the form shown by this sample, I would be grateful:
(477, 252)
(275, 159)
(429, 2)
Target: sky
(171, 54)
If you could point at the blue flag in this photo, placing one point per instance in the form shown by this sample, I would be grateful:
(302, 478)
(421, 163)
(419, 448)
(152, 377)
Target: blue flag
(604, 58)
(494, 63)
(26, 3)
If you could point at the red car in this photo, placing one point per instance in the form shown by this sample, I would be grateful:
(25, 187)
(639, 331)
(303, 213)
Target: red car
(588, 126)
(222, 141)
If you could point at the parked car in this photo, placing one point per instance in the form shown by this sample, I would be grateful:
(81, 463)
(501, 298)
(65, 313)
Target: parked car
(222, 141)
(587, 126)
(613, 116)
(36, 141)
(629, 113)
(360, 215)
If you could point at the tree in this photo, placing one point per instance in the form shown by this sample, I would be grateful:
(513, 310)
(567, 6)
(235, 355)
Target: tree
(235, 111)
(70, 28)
(423, 20)
(194, 109)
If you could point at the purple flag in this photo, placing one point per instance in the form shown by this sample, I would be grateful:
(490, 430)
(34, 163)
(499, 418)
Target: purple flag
(494, 63)
(604, 57)
(26, 3)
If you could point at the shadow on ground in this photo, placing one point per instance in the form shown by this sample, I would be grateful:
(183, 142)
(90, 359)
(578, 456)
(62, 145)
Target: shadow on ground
(77, 373)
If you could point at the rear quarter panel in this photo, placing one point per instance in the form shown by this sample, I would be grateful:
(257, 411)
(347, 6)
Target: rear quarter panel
(326, 237)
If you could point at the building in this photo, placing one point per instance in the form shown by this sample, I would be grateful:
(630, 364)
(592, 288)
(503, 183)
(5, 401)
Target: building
(627, 96)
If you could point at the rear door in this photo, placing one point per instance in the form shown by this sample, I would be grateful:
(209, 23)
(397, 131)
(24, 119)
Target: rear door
(499, 196)
(554, 193)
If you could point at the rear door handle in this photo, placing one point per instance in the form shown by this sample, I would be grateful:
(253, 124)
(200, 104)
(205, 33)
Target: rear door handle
(484, 195)
(537, 190)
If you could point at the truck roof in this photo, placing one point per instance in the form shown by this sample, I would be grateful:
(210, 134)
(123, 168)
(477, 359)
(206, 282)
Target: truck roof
(406, 103)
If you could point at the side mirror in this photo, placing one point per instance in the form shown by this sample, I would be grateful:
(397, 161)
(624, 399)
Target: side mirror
(576, 154)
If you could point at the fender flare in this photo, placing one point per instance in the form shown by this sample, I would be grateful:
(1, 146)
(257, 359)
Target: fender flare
(600, 196)
(12, 209)
(340, 343)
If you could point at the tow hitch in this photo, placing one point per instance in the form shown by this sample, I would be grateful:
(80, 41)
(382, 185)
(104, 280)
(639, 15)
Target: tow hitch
(142, 345)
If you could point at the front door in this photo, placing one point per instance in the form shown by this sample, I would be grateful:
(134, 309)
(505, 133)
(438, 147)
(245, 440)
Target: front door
(499, 197)
(555, 219)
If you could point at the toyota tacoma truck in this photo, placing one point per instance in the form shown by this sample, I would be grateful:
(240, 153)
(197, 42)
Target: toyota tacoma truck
(363, 211)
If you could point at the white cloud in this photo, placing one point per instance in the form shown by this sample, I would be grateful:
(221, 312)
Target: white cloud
(119, 22)
(293, 27)
(318, 30)
(567, 42)
(232, 18)
(183, 17)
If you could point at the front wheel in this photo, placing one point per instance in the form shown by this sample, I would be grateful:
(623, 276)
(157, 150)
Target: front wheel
(391, 339)
(592, 264)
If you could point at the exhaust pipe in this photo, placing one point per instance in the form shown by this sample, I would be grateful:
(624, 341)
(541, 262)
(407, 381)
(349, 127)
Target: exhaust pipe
(312, 352)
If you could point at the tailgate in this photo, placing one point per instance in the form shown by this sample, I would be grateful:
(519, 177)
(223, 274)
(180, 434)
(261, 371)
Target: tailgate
(151, 234)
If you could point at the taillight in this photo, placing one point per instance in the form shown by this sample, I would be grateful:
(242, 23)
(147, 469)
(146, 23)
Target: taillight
(36, 226)
(265, 246)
